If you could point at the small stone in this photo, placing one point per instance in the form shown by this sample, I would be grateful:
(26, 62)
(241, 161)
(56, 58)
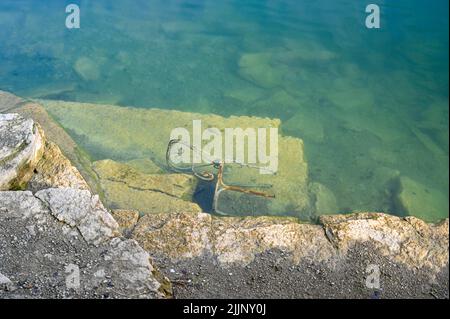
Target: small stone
(5, 283)
(100, 273)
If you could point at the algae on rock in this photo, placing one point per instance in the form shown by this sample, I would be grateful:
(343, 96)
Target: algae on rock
(87, 69)
(127, 188)
(421, 201)
(257, 68)
(127, 220)
(63, 144)
(125, 134)
(21, 148)
(55, 170)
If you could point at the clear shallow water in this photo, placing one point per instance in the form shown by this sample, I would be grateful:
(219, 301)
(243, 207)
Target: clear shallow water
(371, 106)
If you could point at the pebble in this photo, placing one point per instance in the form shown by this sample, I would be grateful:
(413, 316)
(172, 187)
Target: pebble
(6, 283)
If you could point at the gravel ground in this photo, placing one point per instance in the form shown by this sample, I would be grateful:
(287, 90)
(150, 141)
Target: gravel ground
(270, 275)
(273, 275)
(35, 261)
(37, 266)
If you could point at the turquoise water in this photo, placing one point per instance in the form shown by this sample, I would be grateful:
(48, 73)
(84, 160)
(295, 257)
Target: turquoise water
(371, 105)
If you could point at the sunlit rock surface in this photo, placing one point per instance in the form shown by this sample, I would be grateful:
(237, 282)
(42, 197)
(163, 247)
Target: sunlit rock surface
(61, 242)
(55, 170)
(69, 149)
(21, 146)
(126, 219)
(273, 257)
(79, 208)
(409, 241)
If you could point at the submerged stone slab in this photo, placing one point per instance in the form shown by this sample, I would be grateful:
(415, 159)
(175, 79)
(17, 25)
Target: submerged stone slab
(124, 134)
(324, 200)
(259, 69)
(306, 124)
(87, 69)
(8, 101)
(119, 195)
(245, 95)
(146, 166)
(176, 185)
(421, 201)
(126, 188)
(21, 145)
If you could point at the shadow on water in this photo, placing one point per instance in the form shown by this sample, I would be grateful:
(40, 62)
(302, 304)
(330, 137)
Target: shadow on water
(204, 196)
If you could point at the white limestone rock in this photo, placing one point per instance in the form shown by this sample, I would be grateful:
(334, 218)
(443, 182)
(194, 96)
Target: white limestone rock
(21, 146)
(81, 209)
(108, 267)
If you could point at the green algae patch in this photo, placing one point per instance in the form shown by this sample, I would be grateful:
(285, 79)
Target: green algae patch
(56, 133)
(145, 166)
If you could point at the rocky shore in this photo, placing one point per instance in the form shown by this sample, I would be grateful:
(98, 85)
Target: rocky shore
(59, 239)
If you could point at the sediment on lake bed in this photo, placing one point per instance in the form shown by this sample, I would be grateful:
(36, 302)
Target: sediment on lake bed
(56, 221)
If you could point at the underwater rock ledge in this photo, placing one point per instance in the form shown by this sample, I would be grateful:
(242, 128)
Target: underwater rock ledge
(56, 221)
